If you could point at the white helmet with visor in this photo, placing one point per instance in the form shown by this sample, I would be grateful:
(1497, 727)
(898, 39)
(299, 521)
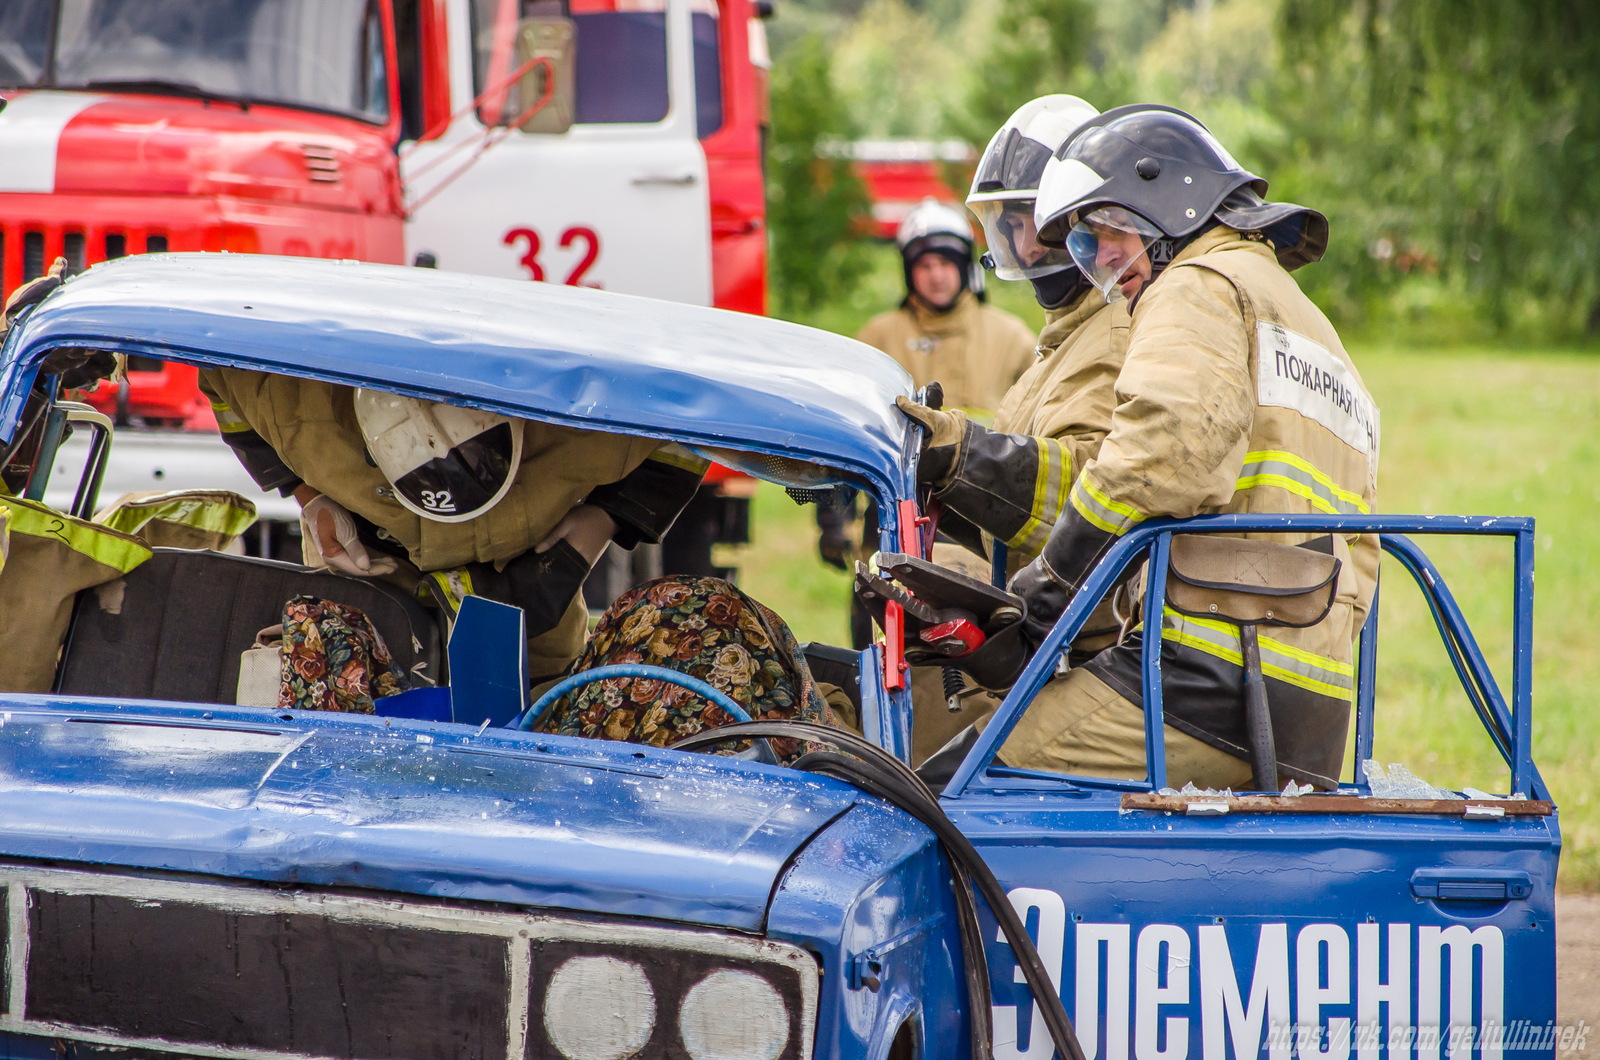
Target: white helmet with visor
(1007, 181)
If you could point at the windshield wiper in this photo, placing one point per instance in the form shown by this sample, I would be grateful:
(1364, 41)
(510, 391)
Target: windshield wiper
(160, 86)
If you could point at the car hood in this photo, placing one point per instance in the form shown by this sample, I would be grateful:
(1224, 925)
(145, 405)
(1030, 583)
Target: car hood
(407, 807)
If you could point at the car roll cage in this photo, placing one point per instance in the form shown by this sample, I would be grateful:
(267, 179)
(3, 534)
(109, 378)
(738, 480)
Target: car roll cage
(1510, 727)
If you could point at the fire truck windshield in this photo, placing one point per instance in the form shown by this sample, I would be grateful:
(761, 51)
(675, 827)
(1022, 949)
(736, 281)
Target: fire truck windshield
(321, 54)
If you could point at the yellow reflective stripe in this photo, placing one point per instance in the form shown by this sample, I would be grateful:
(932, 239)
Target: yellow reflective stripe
(5, 536)
(456, 584)
(1049, 497)
(99, 543)
(1293, 474)
(1114, 517)
(228, 421)
(677, 456)
(213, 516)
(1285, 662)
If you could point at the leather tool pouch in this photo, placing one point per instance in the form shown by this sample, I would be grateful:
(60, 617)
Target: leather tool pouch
(1253, 582)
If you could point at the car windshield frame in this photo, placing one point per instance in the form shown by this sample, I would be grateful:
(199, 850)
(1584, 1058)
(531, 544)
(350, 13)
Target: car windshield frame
(44, 33)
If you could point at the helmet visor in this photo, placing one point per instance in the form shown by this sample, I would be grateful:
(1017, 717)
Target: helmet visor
(465, 482)
(1013, 240)
(1107, 243)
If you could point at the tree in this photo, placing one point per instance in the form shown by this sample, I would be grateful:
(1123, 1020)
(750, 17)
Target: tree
(1462, 137)
(1034, 47)
(816, 206)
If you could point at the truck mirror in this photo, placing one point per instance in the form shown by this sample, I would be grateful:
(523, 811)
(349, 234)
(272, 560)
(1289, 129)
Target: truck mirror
(554, 39)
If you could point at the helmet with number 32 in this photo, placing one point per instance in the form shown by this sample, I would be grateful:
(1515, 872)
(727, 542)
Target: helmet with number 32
(446, 463)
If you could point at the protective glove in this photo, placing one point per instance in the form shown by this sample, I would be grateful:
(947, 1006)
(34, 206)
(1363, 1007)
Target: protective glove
(332, 532)
(35, 291)
(942, 441)
(1046, 596)
(834, 544)
(585, 528)
(835, 547)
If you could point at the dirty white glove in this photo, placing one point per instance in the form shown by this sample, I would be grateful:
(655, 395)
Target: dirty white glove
(332, 533)
(587, 529)
(944, 428)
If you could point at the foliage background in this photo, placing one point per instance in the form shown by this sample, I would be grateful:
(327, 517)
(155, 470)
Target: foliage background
(1454, 146)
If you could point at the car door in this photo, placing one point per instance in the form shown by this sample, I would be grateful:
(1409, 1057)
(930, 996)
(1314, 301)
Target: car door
(619, 200)
(1181, 926)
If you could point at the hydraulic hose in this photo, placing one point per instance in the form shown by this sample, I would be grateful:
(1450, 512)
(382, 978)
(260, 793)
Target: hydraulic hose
(884, 776)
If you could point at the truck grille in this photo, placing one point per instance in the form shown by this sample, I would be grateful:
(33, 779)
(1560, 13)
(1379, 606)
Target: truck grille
(248, 971)
(26, 251)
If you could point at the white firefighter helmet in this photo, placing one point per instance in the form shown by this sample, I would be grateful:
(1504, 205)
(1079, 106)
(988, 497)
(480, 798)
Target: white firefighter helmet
(932, 225)
(1007, 182)
(446, 463)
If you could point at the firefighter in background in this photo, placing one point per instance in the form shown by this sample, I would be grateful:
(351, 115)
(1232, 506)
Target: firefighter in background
(1216, 412)
(462, 501)
(943, 331)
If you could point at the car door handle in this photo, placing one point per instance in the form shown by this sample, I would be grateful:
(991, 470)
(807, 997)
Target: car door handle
(1471, 885)
(681, 180)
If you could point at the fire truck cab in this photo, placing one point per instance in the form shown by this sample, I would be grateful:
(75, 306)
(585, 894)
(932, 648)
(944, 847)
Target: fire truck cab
(637, 170)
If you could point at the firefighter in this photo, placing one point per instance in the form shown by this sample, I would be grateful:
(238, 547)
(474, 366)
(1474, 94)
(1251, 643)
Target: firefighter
(1235, 395)
(1008, 484)
(943, 330)
(467, 502)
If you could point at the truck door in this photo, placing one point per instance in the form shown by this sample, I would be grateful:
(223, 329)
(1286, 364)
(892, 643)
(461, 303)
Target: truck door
(1344, 926)
(619, 200)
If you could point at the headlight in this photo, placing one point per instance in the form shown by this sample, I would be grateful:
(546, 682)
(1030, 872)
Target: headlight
(647, 993)
(733, 1016)
(599, 1008)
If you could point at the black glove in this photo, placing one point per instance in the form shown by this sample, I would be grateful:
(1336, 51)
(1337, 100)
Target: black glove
(833, 544)
(79, 368)
(1047, 601)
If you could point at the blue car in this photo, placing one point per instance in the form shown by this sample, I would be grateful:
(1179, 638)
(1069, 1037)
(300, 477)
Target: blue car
(185, 876)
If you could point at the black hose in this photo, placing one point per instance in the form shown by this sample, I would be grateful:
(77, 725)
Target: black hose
(884, 776)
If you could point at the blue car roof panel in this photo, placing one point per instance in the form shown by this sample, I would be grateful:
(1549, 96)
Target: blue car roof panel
(582, 357)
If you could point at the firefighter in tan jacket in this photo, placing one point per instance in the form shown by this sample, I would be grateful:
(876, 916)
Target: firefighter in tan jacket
(1010, 482)
(1235, 396)
(943, 331)
(473, 502)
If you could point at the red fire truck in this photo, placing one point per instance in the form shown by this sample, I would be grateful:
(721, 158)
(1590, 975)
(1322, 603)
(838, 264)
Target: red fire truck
(612, 143)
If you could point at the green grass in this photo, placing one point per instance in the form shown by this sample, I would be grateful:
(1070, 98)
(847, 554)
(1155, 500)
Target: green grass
(1471, 432)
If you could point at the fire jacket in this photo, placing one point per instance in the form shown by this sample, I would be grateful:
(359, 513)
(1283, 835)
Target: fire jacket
(1011, 482)
(975, 351)
(286, 431)
(1235, 396)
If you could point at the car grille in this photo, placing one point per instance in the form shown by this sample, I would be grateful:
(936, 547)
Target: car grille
(249, 971)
